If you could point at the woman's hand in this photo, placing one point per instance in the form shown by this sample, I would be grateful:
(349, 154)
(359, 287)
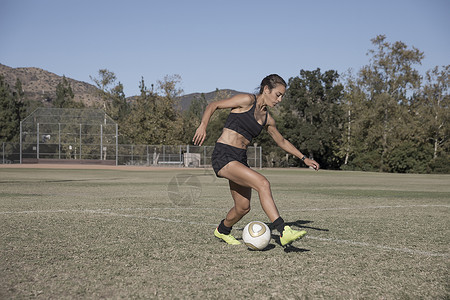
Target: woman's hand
(200, 135)
(312, 164)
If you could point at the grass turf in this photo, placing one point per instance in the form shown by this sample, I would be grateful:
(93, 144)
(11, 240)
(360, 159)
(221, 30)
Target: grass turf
(148, 234)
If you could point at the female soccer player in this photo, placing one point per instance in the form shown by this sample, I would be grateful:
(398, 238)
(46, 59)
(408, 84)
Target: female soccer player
(247, 118)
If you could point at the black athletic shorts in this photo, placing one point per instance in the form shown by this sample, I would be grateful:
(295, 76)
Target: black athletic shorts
(223, 154)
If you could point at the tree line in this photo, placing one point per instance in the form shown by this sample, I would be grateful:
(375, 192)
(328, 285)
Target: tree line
(385, 117)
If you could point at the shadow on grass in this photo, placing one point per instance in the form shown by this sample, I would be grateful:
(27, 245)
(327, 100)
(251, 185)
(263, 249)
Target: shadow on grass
(268, 248)
(289, 248)
(301, 224)
(276, 238)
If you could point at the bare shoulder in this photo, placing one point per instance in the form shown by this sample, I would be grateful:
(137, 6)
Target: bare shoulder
(237, 102)
(243, 100)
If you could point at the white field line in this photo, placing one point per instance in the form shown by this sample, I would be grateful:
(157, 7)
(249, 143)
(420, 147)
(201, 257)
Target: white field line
(150, 218)
(220, 208)
(108, 212)
(104, 212)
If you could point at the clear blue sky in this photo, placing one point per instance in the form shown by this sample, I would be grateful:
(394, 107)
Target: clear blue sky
(213, 44)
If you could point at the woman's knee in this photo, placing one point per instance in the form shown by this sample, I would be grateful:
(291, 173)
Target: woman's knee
(243, 209)
(263, 185)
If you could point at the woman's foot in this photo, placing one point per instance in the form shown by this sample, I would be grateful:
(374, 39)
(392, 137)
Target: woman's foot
(227, 238)
(289, 235)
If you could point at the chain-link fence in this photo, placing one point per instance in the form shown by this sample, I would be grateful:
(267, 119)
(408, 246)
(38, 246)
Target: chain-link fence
(61, 133)
(57, 135)
(10, 153)
(138, 155)
(179, 155)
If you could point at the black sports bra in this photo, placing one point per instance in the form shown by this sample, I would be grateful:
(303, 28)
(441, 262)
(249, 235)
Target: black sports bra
(245, 123)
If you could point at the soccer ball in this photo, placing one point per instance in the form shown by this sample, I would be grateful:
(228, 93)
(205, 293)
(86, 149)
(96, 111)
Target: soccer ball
(256, 235)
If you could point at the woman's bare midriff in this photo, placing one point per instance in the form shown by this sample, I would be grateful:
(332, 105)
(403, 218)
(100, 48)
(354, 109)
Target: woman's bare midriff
(232, 138)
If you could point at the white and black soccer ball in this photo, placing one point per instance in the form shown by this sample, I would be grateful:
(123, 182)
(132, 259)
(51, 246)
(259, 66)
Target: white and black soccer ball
(256, 235)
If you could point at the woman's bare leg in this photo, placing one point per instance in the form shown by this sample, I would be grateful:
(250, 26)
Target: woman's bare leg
(241, 196)
(243, 176)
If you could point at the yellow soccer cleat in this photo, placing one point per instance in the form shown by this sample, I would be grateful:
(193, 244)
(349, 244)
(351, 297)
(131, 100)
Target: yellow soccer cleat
(227, 238)
(289, 235)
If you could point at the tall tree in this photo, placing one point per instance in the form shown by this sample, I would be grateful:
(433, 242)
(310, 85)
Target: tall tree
(10, 114)
(114, 100)
(389, 82)
(105, 80)
(358, 147)
(65, 96)
(106, 84)
(22, 104)
(432, 109)
(192, 117)
(311, 117)
(153, 118)
(117, 107)
(352, 105)
(19, 92)
(198, 106)
(169, 86)
(26, 106)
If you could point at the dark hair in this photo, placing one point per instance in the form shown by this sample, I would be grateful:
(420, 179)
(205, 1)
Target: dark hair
(271, 81)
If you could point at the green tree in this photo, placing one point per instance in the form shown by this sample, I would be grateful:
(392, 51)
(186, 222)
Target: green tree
(198, 106)
(114, 100)
(359, 151)
(432, 110)
(23, 105)
(65, 96)
(19, 92)
(10, 113)
(106, 84)
(117, 107)
(105, 80)
(169, 86)
(27, 106)
(192, 117)
(153, 118)
(351, 102)
(389, 82)
(312, 117)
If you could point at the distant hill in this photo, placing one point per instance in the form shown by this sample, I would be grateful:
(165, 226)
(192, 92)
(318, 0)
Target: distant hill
(185, 100)
(40, 85)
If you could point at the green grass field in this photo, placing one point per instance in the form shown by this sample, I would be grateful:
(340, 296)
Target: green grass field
(149, 234)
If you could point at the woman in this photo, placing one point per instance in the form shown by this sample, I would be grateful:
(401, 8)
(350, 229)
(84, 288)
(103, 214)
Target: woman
(248, 117)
